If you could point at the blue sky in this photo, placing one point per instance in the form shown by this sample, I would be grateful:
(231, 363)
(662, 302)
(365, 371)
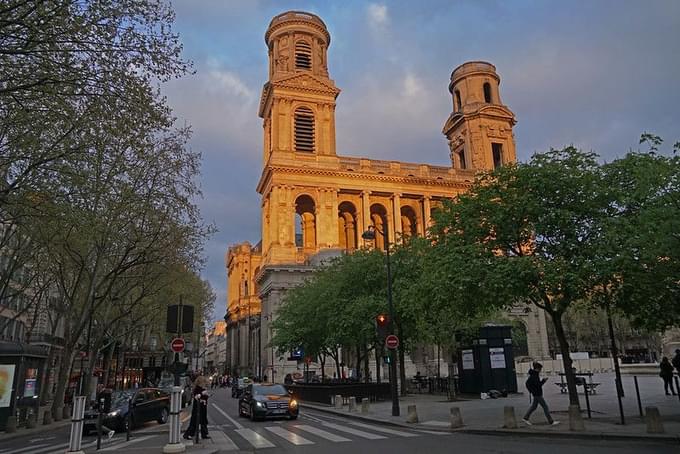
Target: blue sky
(594, 74)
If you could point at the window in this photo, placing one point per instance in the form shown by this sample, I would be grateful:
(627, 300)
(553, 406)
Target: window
(497, 150)
(459, 104)
(461, 158)
(487, 92)
(303, 55)
(304, 130)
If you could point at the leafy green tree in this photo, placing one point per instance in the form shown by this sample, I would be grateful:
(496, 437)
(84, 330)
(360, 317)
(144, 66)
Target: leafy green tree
(523, 234)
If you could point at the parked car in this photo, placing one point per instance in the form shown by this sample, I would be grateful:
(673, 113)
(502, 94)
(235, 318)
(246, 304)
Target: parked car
(148, 404)
(261, 401)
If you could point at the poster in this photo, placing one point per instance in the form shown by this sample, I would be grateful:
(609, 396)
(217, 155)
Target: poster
(6, 384)
(468, 360)
(497, 355)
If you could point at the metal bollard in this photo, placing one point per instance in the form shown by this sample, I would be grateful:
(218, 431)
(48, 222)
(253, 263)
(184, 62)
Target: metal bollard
(364, 405)
(509, 419)
(352, 403)
(455, 418)
(76, 438)
(412, 414)
(128, 417)
(174, 444)
(338, 401)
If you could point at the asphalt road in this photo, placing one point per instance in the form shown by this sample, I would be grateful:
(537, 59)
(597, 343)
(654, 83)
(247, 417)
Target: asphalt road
(316, 432)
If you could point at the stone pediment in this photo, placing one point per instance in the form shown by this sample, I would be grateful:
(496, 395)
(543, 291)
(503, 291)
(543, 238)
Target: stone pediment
(306, 82)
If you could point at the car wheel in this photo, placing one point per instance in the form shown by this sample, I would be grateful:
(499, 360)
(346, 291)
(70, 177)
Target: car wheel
(241, 413)
(163, 417)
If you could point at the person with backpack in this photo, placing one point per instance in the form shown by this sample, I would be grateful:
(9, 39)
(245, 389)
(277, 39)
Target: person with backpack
(676, 360)
(534, 385)
(667, 374)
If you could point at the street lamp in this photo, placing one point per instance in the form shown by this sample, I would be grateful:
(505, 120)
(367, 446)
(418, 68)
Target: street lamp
(370, 235)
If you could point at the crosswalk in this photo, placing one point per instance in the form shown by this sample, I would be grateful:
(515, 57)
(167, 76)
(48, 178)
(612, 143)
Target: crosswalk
(306, 431)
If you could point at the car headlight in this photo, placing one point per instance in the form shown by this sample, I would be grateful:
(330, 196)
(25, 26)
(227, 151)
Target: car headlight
(114, 413)
(293, 403)
(259, 404)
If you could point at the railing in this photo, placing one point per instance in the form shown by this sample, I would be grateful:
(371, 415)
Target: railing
(324, 393)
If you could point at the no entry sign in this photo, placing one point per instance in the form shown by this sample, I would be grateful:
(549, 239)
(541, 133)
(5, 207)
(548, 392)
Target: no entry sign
(391, 342)
(177, 345)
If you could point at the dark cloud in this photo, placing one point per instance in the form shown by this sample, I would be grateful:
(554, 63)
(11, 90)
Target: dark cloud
(592, 74)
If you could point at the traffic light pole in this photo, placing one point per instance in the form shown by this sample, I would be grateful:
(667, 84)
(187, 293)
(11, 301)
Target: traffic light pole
(393, 362)
(370, 235)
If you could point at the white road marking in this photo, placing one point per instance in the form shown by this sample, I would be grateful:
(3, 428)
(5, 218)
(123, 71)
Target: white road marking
(289, 436)
(222, 441)
(432, 432)
(128, 443)
(356, 432)
(322, 433)
(30, 448)
(384, 429)
(312, 418)
(232, 420)
(256, 440)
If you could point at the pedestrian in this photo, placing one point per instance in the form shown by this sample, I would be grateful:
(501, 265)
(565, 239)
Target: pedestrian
(199, 409)
(676, 360)
(667, 375)
(534, 385)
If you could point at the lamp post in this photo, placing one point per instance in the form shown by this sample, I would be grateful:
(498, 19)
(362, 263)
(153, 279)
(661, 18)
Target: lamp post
(370, 235)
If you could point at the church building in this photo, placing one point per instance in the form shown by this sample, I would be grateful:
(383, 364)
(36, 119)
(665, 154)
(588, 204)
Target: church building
(316, 203)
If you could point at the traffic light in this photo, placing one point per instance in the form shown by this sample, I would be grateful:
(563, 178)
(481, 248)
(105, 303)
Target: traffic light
(382, 323)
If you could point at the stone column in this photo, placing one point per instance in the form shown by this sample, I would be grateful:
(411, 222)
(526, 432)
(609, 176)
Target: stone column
(427, 213)
(366, 202)
(396, 210)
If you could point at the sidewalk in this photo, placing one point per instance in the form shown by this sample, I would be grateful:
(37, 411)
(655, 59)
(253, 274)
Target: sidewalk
(486, 416)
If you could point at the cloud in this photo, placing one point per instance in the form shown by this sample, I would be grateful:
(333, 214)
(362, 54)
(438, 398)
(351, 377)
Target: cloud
(412, 86)
(377, 15)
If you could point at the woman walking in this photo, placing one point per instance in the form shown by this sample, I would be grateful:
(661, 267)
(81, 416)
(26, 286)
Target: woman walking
(667, 375)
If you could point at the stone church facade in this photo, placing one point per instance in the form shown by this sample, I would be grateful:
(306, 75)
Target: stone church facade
(316, 203)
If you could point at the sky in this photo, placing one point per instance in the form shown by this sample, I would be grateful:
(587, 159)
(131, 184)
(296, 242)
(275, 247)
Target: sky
(594, 74)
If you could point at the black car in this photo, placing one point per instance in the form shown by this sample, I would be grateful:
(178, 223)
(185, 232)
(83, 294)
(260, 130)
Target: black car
(148, 404)
(261, 401)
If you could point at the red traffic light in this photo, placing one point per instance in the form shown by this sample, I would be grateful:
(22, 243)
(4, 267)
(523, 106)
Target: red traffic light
(382, 319)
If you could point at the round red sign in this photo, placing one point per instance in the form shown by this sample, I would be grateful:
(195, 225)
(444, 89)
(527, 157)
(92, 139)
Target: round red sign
(177, 345)
(392, 341)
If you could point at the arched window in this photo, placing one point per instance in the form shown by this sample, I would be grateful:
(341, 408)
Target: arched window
(305, 229)
(303, 55)
(487, 92)
(459, 104)
(409, 222)
(379, 220)
(347, 232)
(304, 130)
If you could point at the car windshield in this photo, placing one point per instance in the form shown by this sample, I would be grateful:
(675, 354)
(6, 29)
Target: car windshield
(275, 390)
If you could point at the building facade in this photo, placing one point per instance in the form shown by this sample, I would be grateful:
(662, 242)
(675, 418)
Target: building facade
(316, 203)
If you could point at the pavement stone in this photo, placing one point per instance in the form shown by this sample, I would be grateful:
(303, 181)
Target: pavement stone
(486, 416)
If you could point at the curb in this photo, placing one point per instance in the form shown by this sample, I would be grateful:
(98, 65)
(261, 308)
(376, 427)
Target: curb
(672, 439)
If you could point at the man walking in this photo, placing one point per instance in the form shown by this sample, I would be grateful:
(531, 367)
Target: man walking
(534, 385)
(676, 360)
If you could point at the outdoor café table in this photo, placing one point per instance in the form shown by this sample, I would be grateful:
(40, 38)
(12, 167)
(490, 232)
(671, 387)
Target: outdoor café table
(589, 384)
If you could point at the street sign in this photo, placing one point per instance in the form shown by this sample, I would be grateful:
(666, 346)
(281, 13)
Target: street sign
(177, 345)
(391, 342)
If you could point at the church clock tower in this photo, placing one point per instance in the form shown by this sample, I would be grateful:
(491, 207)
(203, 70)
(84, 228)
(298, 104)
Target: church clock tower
(480, 127)
(298, 100)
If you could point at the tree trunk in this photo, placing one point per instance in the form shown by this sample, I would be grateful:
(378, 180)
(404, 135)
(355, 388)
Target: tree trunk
(337, 363)
(45, 376)
(68, 355)
(359, 358)
(322, 361)
(566, 359)
(107, 364)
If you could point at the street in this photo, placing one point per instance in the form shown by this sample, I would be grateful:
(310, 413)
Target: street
(315, 432)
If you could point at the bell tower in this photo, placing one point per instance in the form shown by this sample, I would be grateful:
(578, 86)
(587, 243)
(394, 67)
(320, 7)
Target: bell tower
(298, 101)
(479, 129)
